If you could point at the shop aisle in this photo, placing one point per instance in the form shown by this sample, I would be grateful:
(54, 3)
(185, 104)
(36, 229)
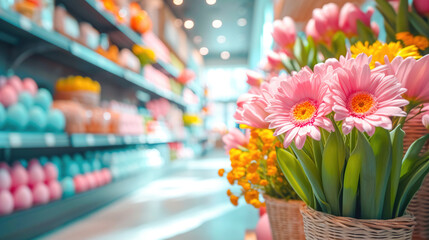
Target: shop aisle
(188, 202)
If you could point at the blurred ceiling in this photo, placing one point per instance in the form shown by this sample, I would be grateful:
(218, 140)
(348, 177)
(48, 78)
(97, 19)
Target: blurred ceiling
(234, 34)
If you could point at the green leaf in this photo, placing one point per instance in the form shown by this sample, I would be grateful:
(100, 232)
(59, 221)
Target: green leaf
(390, 32)
(317, 153)
(298, 51)
(351, 183)
(325, 52)
(382, 147)
(419, 23)
(408, 186)
(397, 138)
(387, 11)
(402, 17)
(313, 176)
(412, 154)
(339, 44)
(295, 175)
(333, 155)
(365, 33)
(367, 176)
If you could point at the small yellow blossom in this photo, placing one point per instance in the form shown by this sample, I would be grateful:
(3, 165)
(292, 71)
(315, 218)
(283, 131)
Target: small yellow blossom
(234, 200)
(221, 172)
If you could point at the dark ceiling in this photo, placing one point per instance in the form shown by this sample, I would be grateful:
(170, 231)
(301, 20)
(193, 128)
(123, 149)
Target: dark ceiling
(237, 38)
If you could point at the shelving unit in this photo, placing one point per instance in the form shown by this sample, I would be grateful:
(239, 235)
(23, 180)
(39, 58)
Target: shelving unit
(54, 214)
(72, 54)
(43, 140)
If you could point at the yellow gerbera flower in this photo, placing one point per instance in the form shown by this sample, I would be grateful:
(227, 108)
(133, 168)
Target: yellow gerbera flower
(379, 50)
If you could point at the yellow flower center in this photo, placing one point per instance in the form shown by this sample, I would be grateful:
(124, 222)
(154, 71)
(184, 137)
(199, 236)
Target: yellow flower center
(362, 103)
(303, 112)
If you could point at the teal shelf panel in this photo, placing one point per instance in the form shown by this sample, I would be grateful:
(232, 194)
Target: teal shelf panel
(94, 140)
(33, 140)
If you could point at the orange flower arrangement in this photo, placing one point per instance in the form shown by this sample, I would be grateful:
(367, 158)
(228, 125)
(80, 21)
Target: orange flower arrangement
(255, 170)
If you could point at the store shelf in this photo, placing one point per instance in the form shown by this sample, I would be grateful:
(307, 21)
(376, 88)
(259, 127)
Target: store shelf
(33, 140)
(75, 55)
(94, 140)
(90, 11)
(30, 223)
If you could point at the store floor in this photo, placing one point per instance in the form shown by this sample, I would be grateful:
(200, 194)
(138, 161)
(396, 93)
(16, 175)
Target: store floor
(188, 202)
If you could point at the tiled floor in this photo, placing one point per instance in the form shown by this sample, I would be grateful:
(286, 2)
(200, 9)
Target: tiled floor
(188, 203)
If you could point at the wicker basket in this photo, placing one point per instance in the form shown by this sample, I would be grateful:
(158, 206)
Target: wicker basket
(319, 225)
(419, 205)
(285, 218)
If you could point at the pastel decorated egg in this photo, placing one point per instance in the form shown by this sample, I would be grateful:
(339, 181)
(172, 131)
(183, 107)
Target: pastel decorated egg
(80, 183)
(96, 165)
(43, 160)
(68, 187)
(2, 116)
(3, 81)
(43, 99)
(33, 161)
(6, 202)
(4, 166)
(263, 230)
(8, 96)
(18, 175)
(55, 190)
(17, 117)
(71, 169)
(85, 167)
(36, 174)
(91, 181)
(37, 119)
(51, 171)
(5, 179)
(26, 99)
(22, 197)
(40, 194)
(16, 83)
(30, 86)
(56, 121)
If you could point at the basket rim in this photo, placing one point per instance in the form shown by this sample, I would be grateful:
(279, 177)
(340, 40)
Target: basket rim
(279, 200)
(407, 221)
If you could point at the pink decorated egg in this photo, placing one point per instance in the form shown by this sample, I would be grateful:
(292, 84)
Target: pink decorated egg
(19, 176)
(3, 81)
(107, 175)
(29, 85)
(98, 178)
(80, 183)
(33, 161)
(40, 194)
(55, 190)
(35, 174)
(263, 230)
(5, 180)
(51, 172)
(6, 202)
(8, 96)
(90, 180)
(5, 166)
(22, 197)
(16, 83)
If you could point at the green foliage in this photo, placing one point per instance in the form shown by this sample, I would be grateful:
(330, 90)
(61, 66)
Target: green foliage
(374, 181)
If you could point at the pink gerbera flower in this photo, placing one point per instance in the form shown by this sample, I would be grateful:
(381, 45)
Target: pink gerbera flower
(298, 109)
(365, 99)
(235, 138)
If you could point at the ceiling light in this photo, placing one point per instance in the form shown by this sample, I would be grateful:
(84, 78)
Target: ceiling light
(204, 51)
(189, 24)
(210, 2)
(198, 39)
(241, 22)
(221, 39)
(225, 55)
(178, 2)
(217, 23)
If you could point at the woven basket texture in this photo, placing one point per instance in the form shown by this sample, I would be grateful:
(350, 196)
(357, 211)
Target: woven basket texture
(419, 205)
(285, 218)
(319, 225)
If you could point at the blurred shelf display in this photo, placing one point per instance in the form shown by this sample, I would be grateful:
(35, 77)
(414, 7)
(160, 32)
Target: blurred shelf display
(50, 140)
(74, 54)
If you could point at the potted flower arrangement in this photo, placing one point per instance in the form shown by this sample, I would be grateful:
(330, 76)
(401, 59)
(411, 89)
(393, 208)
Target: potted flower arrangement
(255, 170)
